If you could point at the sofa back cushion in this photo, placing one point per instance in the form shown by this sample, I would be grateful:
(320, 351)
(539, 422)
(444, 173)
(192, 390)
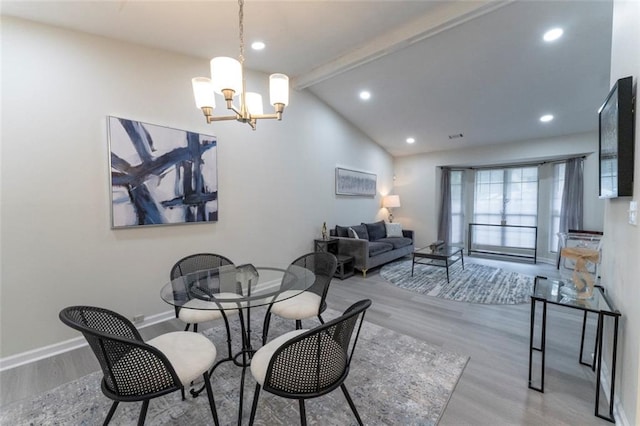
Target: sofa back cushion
(376, 230)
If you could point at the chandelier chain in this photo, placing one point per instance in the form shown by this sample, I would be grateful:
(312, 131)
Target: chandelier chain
(241, 26)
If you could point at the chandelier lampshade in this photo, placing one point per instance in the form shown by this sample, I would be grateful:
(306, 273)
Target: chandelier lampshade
(279, 89)
(254, 103)
(203, 92)
(226, 74)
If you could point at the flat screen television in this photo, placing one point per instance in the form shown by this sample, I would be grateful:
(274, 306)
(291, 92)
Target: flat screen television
(616, 141)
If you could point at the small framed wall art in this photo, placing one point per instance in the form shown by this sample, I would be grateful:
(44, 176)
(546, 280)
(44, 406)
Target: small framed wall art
(352, 182)
(160, 175)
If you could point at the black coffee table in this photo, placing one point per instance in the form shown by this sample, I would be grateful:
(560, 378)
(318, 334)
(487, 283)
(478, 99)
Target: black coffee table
(443, 256)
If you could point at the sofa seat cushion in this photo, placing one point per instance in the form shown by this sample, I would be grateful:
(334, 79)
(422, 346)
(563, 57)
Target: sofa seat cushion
(376, 230)
(377, 247)
(396, 242)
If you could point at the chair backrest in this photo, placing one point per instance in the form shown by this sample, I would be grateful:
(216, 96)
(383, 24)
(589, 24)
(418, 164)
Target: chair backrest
(317, 361)
(198, 262)
(194, 263)
(132, 369)
(323, 265)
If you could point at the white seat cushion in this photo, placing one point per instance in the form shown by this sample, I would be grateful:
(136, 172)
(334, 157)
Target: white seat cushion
(202, 310)
(260, 360)
(190, 354)
(300, 306)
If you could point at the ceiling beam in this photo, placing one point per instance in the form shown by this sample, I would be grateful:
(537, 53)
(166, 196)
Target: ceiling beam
(443, 17)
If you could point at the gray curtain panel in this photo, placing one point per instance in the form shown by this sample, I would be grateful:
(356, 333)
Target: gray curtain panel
(444, 219)
(572, 196)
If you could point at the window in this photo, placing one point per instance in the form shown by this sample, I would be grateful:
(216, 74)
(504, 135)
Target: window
(506, 196)
(556, 205)
(457, 208)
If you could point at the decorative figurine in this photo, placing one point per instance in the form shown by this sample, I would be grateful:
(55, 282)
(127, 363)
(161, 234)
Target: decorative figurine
(324, 231)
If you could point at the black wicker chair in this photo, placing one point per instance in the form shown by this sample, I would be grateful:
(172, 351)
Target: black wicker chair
(137, 371)
(189, 265)
(309, 303)
(303, 364)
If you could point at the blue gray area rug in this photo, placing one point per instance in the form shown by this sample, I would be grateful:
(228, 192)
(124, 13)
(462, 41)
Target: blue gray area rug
(475, 284)
(394, 380)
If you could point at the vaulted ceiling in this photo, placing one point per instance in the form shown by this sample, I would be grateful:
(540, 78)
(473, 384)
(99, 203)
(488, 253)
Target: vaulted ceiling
(434, 68)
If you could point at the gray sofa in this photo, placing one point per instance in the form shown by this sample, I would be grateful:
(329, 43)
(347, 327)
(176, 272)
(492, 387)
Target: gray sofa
(372, 247)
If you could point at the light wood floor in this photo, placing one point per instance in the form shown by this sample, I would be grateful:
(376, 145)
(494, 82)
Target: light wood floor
(493, 388)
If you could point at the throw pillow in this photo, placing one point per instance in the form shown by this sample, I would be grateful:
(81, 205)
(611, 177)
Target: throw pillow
(393, 229)
(342, 231)
(353, 234)
(375, 230)
(361, 231)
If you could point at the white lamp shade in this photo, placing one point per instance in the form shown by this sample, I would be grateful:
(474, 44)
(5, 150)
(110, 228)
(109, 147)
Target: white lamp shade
(391, 201)
(279, 89)
(203, 92)
(226, 73)
(254, 103)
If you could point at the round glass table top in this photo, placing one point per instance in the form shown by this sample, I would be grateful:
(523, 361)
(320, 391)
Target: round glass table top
(229, 286)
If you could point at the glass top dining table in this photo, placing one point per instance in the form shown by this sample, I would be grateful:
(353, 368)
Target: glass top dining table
(240, 288)
(229, 286)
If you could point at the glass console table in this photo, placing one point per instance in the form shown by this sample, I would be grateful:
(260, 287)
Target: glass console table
(547, 291)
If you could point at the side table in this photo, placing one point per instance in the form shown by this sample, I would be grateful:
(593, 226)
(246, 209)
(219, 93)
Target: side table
(345, 266)
(546, 291)
(345, 263)
(328, 246)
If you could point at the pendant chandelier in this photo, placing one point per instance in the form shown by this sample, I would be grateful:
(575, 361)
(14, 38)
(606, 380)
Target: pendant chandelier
(227, 79)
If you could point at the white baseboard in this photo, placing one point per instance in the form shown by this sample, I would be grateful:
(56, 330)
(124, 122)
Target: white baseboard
(37, 354)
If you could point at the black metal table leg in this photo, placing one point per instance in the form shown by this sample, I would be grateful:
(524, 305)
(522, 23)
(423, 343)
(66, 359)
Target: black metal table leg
(541, 348)
(584, 326)
(246, 353)
(531, 329)
(614, 354)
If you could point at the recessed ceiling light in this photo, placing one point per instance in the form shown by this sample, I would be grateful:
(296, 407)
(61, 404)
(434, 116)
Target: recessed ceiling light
(553, 34)
(546, 118)
(258, 45)
(410, 140)
(365, 95)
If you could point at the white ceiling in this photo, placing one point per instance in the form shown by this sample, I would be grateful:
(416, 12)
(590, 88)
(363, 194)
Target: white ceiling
(434, 69)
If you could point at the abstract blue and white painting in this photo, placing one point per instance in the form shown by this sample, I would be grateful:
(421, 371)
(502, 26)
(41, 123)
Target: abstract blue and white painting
(161, 175)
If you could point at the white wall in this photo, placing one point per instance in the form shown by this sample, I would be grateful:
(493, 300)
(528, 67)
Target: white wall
(621, 250)
(276, 185)
(418, 177)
